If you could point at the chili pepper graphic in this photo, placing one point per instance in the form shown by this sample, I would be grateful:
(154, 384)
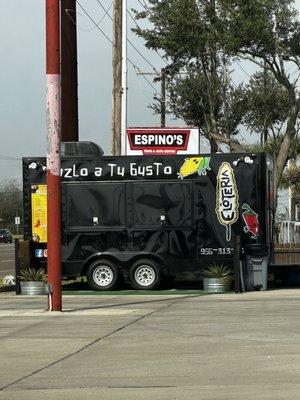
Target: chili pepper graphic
(251, 220)
(37, 224)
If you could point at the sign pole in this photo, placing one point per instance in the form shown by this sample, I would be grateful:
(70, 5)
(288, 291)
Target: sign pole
(124, 80)
(17, 223)
(53, 152)
(17, 267)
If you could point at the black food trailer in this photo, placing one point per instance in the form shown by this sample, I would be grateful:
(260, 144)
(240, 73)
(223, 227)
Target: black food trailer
(142, 218)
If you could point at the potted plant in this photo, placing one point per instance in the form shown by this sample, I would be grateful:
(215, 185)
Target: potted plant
(33, 281)
(217, 278)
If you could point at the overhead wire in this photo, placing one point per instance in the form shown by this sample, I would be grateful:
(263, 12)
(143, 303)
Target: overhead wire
(144, 5)
(104, 34)
(94, 22)
(84, 29)
(136, 68)
(11, 163)
(147, 80)
(106, 11)
(129, 41)
(134, 20)
(243, 69)
(10, 158)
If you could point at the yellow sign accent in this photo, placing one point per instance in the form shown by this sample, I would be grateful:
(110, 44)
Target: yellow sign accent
(39, 213)
(227, 202)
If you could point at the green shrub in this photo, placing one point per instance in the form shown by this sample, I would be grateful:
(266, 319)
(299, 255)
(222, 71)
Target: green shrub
(217, 271)
(32, 274)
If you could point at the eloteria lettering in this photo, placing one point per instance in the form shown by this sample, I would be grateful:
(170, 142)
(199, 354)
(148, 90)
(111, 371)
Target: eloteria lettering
(227, 205)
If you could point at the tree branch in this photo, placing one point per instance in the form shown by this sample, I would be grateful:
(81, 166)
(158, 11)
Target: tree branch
(294, 60)
(250, 57)
(232, 143)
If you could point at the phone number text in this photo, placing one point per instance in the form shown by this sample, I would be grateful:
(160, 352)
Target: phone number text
(208, 251)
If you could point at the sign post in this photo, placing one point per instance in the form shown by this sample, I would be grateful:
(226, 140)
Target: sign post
(17, 223)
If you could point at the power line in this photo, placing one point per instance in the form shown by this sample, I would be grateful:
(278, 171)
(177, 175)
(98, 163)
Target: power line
(144, 5)
(131, 62)
(144, 58)
(10, 158)
(242, 68)
(129, 41)
(245, 140)
(104, 34)
(106, 11)
(134, 20)
(94, 22)
(146, 79)
(89, 29)
(10, 166)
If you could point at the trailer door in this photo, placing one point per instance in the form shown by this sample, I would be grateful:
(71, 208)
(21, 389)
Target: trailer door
(90, 206)
(162, 204)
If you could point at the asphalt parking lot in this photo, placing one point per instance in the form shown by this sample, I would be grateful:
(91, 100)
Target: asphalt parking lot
(228, 346)
(7, 259)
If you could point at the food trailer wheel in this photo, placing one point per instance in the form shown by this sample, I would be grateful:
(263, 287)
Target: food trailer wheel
(102, 275)
(145, 274)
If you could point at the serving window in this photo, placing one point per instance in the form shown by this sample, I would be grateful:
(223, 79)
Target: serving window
(167, 204)
(94, 205)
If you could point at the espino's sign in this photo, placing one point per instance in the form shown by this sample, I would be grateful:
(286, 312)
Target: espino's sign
(162, 140)
(159, 139)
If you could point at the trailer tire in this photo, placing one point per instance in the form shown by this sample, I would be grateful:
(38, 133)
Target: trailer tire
(103, 275)
(145, 275)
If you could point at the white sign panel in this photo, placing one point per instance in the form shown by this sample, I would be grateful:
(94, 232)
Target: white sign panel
(162, 141)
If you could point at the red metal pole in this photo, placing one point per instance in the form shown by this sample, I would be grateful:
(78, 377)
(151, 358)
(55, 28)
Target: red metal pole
(53, 151)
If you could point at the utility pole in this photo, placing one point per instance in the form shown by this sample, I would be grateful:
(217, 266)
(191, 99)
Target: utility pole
(53, 152)
(117, 78)
(69, 75)
(124, 80)
(163, 98)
